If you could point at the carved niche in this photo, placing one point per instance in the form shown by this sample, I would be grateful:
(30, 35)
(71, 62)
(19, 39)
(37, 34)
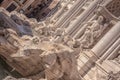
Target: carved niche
(110, 10)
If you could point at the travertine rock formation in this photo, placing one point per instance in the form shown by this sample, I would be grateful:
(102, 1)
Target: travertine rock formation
(12, 78)
(32, 54)
(81, 41)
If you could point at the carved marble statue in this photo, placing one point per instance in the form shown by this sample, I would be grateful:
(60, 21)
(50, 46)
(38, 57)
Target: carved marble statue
(59, 32)
(67, 40)
(45, 31)
(36, 40)
(97, 26)
(93, 31)
(87, 39)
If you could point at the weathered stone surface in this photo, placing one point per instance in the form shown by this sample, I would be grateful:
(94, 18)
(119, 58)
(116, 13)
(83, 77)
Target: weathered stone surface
(27, 56)
(64, 66)
(41, 50)
(12, 78)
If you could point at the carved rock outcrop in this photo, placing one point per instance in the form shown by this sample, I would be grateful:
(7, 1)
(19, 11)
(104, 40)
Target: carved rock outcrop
(34, 56)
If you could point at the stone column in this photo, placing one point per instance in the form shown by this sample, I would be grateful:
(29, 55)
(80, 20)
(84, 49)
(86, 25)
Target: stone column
(81, 30)
(82, 17)
(110, 50)
(77, 11)
(107, 40)
(113, 53)
(28, 4)
(57, 14)
(69, 13)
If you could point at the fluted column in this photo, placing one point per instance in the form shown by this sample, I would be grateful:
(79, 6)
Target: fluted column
(77, 11)
(110, 50)
(107, 40)
(28, 4)
(82, 17)
(81, 30)
(69, 13)
(57, 14)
